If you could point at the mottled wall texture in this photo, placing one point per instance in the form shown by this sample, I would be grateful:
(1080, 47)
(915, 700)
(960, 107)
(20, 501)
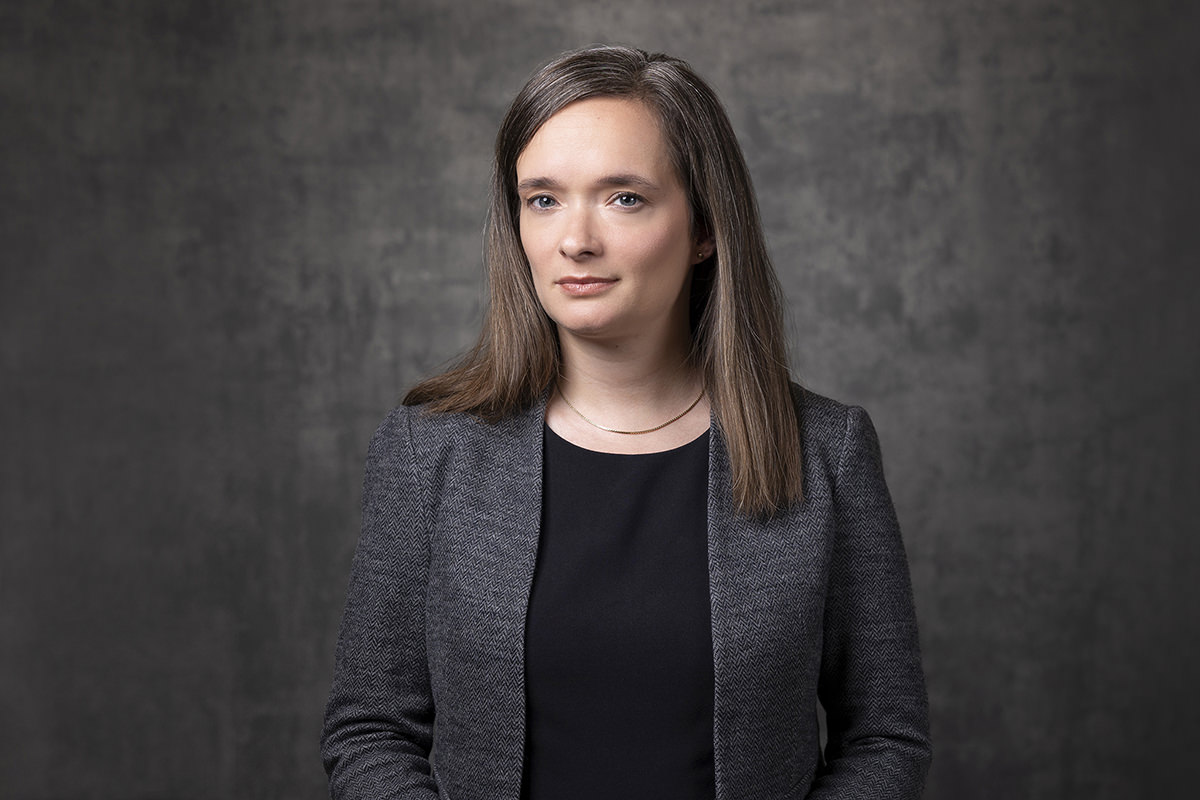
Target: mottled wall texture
(234, 232)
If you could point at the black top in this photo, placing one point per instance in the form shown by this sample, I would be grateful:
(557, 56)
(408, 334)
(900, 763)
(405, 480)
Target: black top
(618, 648)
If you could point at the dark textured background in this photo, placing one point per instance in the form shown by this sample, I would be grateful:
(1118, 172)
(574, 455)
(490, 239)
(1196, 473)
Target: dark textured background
(232, 233)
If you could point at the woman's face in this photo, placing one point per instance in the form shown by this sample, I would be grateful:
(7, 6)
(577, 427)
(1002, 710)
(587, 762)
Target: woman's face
(605, 223)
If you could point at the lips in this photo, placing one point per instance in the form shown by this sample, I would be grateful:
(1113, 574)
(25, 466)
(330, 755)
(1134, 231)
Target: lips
(585, 285)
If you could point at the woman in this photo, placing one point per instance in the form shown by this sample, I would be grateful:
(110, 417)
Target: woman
(593, 562)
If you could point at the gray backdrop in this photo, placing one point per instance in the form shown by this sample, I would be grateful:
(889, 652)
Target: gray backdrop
(233, 233)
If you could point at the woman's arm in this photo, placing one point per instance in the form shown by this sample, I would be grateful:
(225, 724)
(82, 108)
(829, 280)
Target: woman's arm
(379, 720)
(871, 684)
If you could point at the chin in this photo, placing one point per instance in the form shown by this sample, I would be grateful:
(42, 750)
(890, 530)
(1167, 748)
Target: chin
(583, 324)
(589, 328)
(591, 331)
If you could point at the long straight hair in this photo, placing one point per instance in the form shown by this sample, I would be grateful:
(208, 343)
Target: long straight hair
(737, 325)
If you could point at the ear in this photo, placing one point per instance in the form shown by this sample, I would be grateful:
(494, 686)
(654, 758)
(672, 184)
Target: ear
(703, 246)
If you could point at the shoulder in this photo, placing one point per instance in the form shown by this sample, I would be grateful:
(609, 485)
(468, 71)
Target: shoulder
(404, 424)
(821, 418)
(428, 439)
(831, 431)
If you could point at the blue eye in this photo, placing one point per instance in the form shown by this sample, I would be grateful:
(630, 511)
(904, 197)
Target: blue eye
(628, 200)
(541, 201)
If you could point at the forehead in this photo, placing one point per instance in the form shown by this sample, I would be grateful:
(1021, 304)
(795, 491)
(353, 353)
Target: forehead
(601, 133)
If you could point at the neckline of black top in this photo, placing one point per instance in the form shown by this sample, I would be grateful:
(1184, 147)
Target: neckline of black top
(703, 437)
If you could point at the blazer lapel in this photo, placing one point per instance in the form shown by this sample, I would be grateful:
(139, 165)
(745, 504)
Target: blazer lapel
(765, 589)
(517, 523)
(723, 529)
(480, 587)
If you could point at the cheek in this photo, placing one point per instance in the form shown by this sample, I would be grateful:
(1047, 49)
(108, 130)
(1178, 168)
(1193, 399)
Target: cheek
(531, 243)
(533, 255)
(666, 252)
(523, 234)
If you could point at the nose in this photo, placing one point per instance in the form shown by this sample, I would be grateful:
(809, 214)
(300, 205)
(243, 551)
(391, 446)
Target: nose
(579, 237)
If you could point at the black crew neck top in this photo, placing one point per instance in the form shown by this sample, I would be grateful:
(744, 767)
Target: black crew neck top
(618, 646)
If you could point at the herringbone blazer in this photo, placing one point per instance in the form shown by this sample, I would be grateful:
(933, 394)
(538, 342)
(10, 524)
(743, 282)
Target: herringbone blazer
(428, 693)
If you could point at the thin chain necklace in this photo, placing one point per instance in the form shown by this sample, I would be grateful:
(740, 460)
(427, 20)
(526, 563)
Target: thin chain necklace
(628, 433)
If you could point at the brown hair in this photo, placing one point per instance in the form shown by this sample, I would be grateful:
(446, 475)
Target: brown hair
(737, 327)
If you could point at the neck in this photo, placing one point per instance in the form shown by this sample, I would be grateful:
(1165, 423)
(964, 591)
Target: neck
(646, 373)
(645, 385)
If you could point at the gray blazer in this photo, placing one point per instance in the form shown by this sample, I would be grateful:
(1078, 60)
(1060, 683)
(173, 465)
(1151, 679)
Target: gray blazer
(428, 695)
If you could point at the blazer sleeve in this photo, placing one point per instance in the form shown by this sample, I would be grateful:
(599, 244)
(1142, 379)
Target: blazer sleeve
(379, 719)
(871, 683)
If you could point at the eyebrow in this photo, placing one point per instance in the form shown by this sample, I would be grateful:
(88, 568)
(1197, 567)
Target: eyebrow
(625, 179)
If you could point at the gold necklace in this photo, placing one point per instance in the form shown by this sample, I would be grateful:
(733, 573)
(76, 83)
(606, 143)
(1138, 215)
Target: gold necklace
(628, 433)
